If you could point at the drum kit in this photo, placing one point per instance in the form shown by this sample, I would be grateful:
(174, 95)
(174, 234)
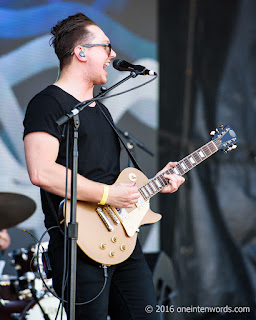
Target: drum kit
(26, 295)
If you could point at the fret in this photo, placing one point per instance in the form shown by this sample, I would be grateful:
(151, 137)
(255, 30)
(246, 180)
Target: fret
(157, 182)
(197, 157)
(206, 150)
(143, 193)
(156, 187)
(213, 147)
(176, 171)
(201, 154)
(148, 189)
(146, 192)
(183, 165)
(192, 160)
(180, 169)
(163, 181)
(153, 186)
(188, 164)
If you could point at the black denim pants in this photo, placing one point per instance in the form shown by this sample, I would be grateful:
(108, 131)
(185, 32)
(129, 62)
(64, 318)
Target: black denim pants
(128, 291)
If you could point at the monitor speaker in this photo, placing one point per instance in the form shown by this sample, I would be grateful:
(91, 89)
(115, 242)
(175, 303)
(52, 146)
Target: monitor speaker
(164, 283)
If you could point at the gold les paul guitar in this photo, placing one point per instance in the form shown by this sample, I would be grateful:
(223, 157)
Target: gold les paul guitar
(108, 235)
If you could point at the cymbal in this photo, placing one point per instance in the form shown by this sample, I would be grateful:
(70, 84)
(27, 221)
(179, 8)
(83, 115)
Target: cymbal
(14, 208)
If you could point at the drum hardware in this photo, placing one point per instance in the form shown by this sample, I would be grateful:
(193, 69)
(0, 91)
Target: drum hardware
(34, 302)
(46, 317)
(9, 287)
(32, 310)
(25, 296)
(23, 260)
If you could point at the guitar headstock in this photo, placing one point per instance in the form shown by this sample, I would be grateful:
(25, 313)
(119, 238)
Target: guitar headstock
(224, 138)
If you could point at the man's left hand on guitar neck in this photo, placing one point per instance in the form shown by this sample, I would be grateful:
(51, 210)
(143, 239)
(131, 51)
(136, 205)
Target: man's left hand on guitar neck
(175, 181)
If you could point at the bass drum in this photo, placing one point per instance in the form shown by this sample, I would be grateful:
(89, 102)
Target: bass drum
(49, 304)
(9, 287)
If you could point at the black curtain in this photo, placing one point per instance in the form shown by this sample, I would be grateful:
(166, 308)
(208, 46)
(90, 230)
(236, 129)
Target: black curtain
(206, 54)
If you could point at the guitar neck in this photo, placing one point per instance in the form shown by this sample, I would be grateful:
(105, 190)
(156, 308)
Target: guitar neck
(155, 185)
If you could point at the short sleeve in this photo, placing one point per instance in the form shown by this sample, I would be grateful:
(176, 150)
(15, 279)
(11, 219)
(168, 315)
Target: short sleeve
(41, 115)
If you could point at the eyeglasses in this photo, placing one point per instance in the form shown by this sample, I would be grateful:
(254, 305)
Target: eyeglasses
(106, 45)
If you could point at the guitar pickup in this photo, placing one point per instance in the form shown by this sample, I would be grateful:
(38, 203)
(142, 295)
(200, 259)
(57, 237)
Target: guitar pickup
(107, 209)
(104, 219)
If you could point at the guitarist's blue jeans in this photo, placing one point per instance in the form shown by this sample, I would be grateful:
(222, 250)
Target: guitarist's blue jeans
(129, 293)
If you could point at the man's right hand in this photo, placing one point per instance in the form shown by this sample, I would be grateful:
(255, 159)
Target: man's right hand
(123, 195)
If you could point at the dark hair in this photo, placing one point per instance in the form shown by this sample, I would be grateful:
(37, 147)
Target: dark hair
(69, 33)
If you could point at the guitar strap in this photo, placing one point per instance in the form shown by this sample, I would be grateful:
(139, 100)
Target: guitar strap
(61, 98)
(123, 143)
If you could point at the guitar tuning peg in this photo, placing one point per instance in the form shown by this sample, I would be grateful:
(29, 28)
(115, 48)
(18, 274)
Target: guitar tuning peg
(212, 133)
(234, 146)
(221, 126)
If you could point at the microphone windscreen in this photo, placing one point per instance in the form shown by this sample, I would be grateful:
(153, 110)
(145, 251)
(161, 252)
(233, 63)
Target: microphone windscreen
(116, 63)
(122, 65)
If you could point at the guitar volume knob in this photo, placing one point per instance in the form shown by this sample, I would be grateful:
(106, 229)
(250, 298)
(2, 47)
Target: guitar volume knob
(103, 246)
(114, 239)
(111, 254)
(123, 247)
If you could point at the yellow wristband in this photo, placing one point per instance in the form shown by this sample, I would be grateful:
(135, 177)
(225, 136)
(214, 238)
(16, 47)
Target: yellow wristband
(105, 195)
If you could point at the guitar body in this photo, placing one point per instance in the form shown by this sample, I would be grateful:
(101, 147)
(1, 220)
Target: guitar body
(101, 244)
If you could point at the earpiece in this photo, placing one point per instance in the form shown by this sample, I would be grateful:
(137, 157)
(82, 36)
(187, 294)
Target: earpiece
(81, 54)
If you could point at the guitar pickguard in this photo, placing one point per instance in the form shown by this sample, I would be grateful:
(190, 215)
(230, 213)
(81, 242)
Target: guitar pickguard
(131, 221)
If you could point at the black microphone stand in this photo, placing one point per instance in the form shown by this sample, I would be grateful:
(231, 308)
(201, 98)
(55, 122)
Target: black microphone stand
(130, 144)
(73, 225)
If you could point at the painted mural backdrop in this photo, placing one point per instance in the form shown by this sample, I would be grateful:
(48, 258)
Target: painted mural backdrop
(28, 64)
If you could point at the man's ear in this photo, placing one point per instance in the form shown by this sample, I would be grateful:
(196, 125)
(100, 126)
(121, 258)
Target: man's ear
(79, 53)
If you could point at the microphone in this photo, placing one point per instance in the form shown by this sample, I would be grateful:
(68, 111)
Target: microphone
(122, 65)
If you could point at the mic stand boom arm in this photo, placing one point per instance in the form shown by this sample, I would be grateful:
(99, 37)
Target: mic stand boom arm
(130, 144)
(80, 106)
(73, 225)
(132, 139)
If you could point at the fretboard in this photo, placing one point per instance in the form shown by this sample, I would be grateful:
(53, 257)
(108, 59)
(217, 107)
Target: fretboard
(155, 185)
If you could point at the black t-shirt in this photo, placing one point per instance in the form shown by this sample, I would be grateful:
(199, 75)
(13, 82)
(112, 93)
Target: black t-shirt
(98, 145)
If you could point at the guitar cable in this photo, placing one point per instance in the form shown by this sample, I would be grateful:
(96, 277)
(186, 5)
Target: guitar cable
(104, 267)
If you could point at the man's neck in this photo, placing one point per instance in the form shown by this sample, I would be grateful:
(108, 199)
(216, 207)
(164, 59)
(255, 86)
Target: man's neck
(76, 87)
